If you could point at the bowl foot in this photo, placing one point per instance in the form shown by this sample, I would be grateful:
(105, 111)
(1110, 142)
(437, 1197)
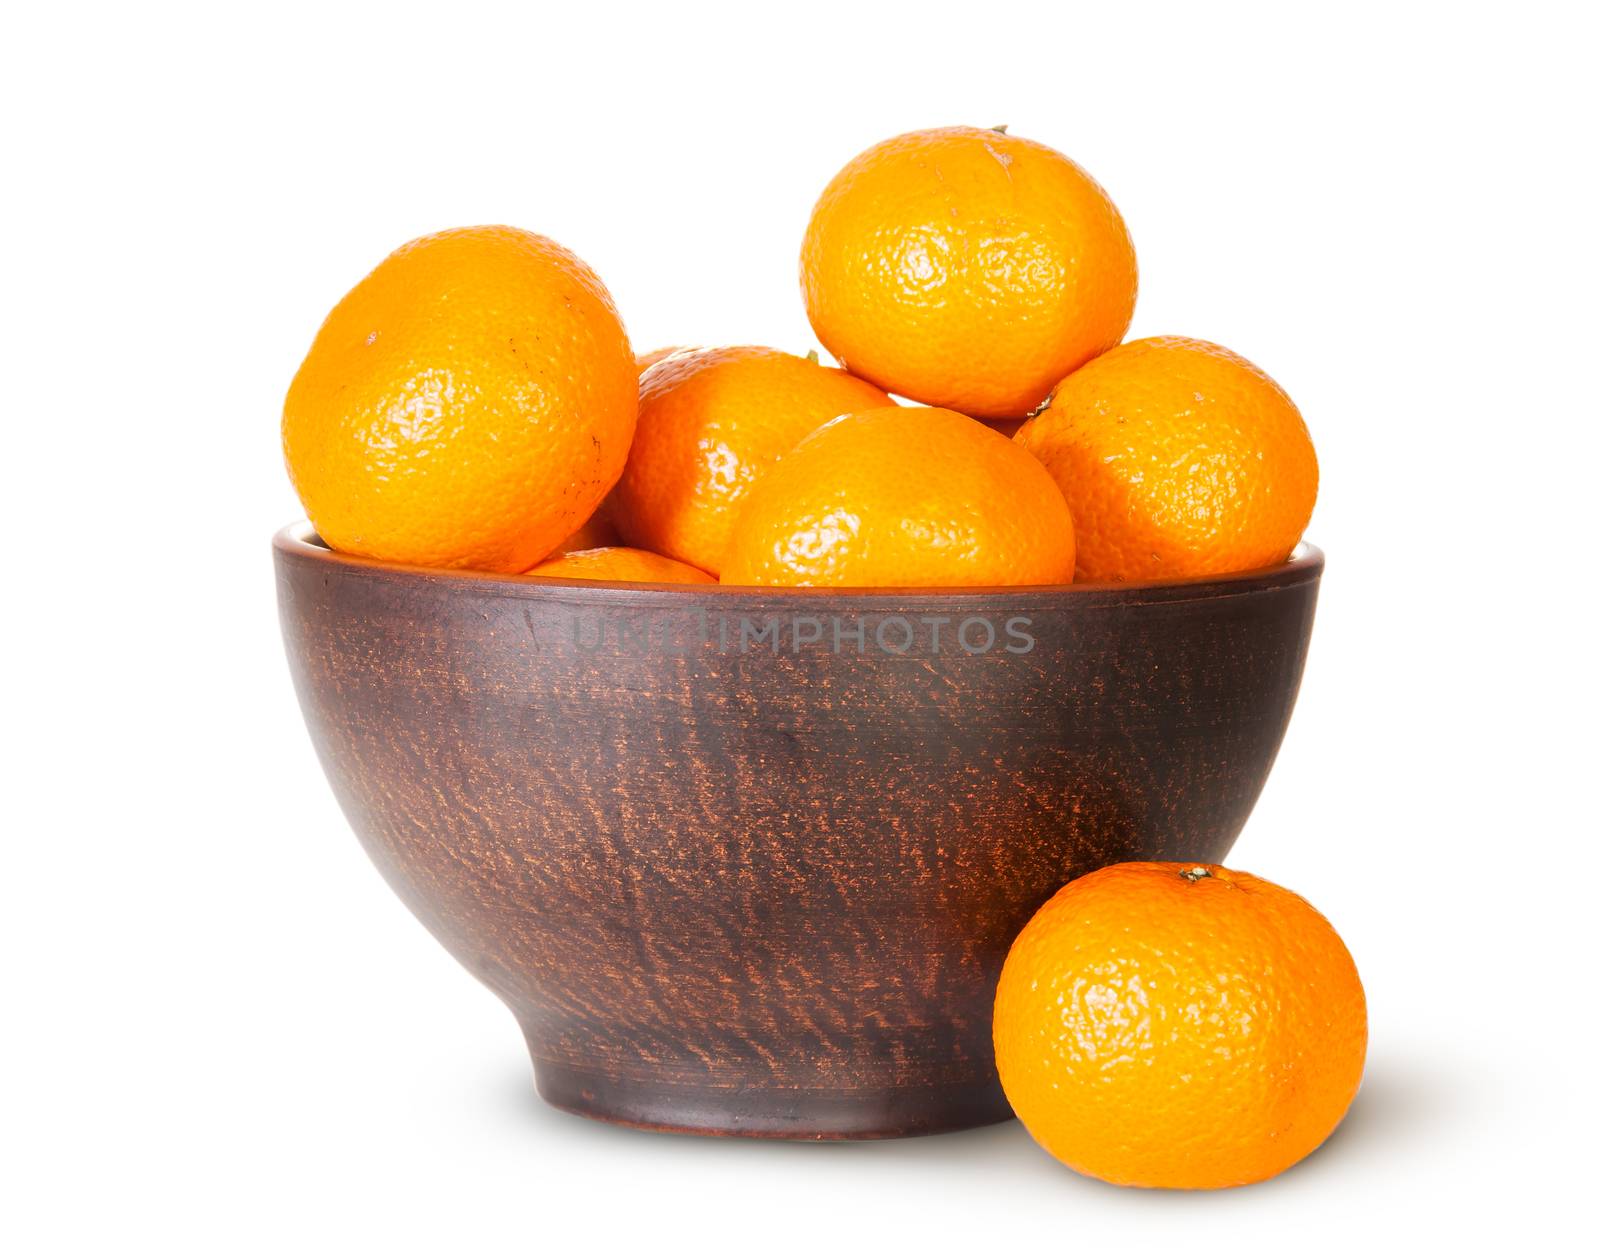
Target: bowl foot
(770, 1112)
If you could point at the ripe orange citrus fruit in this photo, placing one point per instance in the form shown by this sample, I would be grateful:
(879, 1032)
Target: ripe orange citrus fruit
(903, 496)
(467, 405)
(966, 268)
(600, 530)
(620, 564)
(1179, 459)
(1007, 428)
(1179, 1025)
(711, 423)
(652, 357)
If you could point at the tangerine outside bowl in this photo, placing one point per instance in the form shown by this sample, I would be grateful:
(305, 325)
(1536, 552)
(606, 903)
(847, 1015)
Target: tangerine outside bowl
(748, 861)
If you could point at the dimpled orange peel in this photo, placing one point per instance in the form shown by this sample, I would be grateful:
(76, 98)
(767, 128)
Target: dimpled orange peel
(1179, 1025)
(713, 422)
(621, 564)
(1179, 459)
(966, 268)
(650, 358)
(903, 496)
(467, 405)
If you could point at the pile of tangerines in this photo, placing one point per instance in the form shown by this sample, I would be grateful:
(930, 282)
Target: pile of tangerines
(475, 403)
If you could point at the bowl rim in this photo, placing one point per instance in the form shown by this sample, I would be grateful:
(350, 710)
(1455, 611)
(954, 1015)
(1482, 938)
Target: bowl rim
(299, 541)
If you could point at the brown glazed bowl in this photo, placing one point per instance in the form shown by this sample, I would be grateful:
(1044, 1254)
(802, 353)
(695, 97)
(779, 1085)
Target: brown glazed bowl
(748, 861)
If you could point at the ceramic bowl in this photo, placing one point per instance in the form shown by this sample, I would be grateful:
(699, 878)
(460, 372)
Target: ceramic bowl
(748, 861)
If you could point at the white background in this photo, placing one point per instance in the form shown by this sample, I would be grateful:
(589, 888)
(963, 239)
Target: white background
(226, 1037)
